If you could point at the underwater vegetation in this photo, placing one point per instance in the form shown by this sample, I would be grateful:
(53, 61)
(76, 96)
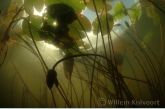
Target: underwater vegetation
(66, 58)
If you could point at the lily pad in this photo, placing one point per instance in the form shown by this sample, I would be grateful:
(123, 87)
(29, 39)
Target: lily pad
(135, 13)
(119, 10)
(50, 2)
(99, 5)
(74, 50)
(63, 42)
(103, 24)
(84, 21)
(152, 14)
(79, 43)
(35, 24)
(76, 34)
(86, 45)
(77, 5)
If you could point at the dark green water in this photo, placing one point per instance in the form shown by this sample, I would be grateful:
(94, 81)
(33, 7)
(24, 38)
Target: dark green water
(23, 79)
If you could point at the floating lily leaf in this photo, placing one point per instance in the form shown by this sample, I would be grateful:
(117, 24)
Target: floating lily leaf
(28, 5)
(74, 50)
(152, 14)
(135, 13)
(62, 13)
(68, 66)
(147, 39)
(82, 44)
(38, 4)
(99, 5)
(86, 45)
(63, 42)
(77, 5)
(35, 24)
(50, 2)
(79, 43)
(83, 50)
(76, 34)
(84, 21)
(119, 10)
(95, 24)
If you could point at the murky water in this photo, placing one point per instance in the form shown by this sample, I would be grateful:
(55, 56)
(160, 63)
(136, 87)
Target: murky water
(136, 77)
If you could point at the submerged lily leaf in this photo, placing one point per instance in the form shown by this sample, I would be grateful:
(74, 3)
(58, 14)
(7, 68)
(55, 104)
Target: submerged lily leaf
(99, 5)
(119, 10)
(84, 21)
(35, 24)
(135, 13)
(77, 5)
(147, 39)
(76, 34)
(68, 66)
(152, 14)
(95, 24)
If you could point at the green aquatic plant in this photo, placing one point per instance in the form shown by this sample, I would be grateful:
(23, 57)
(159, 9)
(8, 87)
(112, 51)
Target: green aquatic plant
(125, 68)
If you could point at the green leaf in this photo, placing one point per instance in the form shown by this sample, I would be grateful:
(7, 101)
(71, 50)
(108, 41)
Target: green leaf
(76, 34)
(77, 5)
(38, 4)
(147, 39)
(119, 10)
(99, 5)
(84, 21)
(95, 24)
(82, 44)
(135, 13)
(35, 24)
(86, 45)
(79, 43)
(28, 5)
(152, 14)
(50, 2)
(74, 50)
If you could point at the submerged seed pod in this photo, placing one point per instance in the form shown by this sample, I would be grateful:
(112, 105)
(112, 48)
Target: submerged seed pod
(51, 78)
(68, 66)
